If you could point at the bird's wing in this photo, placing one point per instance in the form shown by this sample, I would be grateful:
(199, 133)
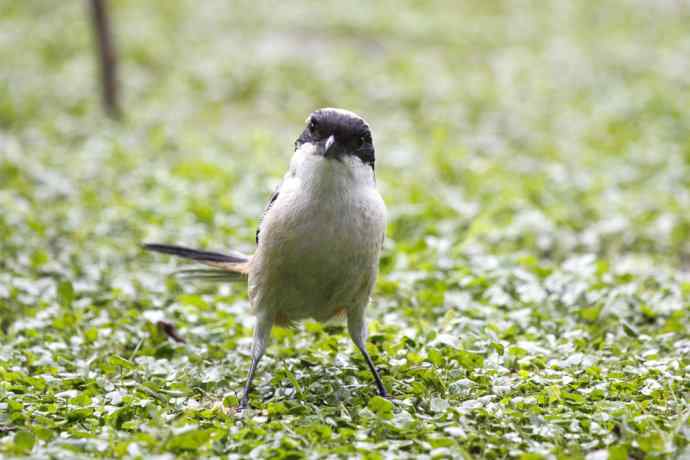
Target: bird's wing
(274, 197)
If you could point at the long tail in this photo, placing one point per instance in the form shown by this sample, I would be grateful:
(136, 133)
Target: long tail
(227, 267)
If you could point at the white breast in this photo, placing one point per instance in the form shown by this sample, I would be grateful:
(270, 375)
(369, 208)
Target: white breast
(320, 241)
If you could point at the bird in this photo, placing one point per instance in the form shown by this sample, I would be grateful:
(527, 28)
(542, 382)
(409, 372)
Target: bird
(318, 242)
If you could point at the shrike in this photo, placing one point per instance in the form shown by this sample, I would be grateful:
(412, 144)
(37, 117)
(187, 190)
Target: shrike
(319, 241)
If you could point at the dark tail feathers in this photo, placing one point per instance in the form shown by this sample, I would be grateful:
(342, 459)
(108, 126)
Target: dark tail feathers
(195, 254)
(229, 267)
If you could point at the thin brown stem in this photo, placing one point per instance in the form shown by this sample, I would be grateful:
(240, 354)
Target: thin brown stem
(107, 56)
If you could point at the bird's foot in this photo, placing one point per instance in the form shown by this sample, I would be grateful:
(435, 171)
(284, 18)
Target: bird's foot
(244, 404)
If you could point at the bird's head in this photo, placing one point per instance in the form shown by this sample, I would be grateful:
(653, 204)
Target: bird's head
(337, 133)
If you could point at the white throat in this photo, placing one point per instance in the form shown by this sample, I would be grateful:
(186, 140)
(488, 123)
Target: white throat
(318, 173)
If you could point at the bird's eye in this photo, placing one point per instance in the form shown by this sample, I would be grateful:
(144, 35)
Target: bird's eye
(363, 140)
(313, 125)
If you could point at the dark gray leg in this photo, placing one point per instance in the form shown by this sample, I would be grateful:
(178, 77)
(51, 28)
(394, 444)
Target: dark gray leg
(244, 402)
(358, 331)
(262, 334)
(377, 377)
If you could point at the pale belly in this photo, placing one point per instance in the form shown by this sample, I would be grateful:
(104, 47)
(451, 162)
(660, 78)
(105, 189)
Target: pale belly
(314, 281)
(317, 261)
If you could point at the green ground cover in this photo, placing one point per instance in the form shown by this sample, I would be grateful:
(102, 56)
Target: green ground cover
(534, 292)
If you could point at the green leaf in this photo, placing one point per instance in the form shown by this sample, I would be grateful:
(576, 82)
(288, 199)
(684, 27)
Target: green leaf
(65, 293)
(574, 398)
(91, 334)
(276, 408)
(630, 330)
(554, 393)
(618, 452)
(189, 440)
(469, 360)
(498, 347)
(116, 360)
(517, 352)
(652, 442)
(83, 399)
(195, 300)
(647, 311)
(590, 313)
(531, 456)
(24, 441)
(435, 356)
(380, 406)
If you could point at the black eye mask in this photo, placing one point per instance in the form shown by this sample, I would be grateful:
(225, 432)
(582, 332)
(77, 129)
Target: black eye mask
(350, 132)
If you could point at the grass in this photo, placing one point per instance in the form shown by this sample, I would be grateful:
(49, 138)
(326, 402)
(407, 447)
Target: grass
(534, 292)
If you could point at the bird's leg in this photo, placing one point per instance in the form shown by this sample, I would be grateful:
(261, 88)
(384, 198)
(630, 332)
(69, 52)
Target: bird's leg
(358, 331)
(377, 378)
(262, 334)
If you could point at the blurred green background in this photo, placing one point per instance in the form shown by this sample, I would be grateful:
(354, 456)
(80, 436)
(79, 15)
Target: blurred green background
(535, 160)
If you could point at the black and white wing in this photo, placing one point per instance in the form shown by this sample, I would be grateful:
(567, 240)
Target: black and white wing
(274, 197)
